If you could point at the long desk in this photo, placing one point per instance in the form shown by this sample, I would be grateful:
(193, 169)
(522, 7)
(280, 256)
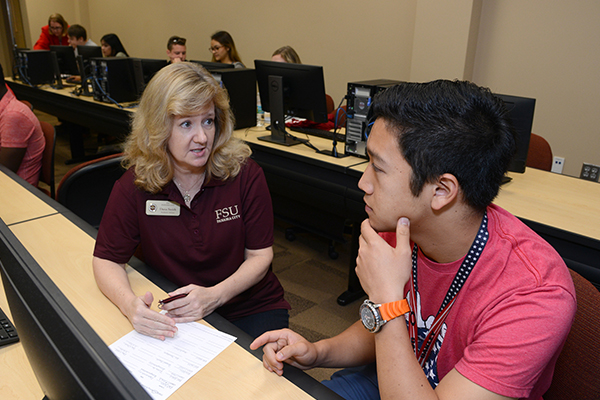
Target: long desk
(44, 226)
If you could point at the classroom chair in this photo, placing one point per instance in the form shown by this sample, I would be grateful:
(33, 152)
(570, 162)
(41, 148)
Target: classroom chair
(85, 188)
(577, 371)
(47, 171)
(540, 154)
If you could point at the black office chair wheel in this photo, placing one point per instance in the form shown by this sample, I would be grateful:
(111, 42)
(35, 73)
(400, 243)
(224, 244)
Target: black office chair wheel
(332, 253)
(290, 235)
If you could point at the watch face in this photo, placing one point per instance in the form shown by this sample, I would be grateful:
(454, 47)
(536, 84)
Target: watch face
(367, 317)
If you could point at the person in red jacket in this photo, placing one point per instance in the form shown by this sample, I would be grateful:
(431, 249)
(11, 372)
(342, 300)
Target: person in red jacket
(55, 33)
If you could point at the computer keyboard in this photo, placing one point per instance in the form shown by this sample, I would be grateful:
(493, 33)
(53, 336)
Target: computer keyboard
(8, 333)
(319, 133)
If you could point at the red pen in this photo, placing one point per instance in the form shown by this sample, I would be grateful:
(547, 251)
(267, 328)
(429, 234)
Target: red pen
(170, 299)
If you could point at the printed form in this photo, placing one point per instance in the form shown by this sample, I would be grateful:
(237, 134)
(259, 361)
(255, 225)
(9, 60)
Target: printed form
(161, 367)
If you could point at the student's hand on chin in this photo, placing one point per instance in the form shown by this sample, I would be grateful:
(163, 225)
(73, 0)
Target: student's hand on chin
(382, 269)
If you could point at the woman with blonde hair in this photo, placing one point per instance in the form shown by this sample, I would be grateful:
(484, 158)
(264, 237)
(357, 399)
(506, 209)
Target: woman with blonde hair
(286, 54)
(198, 208)
(53, 34)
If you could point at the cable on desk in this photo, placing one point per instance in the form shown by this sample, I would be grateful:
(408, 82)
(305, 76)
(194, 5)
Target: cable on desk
(105, 94)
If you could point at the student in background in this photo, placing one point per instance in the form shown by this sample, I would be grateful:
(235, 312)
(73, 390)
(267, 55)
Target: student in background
(78, 37)
(112, 46)
(176, 50)
(286, 54)
(198, 207)
(22, 141)
(465, 301)
(53, 34)
(223, 49)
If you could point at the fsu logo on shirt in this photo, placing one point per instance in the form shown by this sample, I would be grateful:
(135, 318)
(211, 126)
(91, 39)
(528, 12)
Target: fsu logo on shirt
(227, 214)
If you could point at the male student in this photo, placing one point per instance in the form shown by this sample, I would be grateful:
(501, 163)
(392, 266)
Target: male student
(176, 50)
(485, 301)
(78, 37)
(21, 138)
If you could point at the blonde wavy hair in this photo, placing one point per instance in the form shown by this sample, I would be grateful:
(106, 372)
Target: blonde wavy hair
(180, 90)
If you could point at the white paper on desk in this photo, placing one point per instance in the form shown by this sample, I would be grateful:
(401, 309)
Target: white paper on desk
(161, 367)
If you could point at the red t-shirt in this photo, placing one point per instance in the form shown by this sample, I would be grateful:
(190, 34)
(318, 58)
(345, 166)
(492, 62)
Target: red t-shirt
(510, 319)
(204, 245)
(20, 128)
(46, 39)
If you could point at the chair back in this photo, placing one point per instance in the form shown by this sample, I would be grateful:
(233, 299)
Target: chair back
(85, 188)
(47, 171)
(539, 154)
(577, 371)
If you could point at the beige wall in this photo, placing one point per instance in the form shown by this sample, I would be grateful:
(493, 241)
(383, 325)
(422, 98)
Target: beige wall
(547, 49)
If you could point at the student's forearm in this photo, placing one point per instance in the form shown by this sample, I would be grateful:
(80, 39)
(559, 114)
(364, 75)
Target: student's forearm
(353, 347)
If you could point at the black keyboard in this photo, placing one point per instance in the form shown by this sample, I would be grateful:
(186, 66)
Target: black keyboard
(319, 133)
(8, 333)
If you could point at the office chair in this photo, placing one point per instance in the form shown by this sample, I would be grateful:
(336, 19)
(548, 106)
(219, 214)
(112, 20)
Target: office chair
(577, 371)
(47, 171)
(540, 154)
(85, 188)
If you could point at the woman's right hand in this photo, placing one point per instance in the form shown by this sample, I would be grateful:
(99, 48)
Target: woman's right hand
(147, 321)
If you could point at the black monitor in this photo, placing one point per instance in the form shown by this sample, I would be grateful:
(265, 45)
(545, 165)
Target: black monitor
(88, 52)
(294, 90)
(66, 59)
(151, 66)
(69, 359)
(520, 110)
(211, 66)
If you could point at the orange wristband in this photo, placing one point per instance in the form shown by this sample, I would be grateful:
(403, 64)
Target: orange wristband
(389, 311)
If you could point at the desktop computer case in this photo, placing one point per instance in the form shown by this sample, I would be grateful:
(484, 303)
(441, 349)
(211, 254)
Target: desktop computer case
(113, 77)
(358, 104)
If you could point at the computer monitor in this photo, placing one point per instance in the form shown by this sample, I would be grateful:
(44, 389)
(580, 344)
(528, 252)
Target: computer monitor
(520, 110)
(66, 59)
(69, 359)
(88, 52)
(211, 66)
(295, 90)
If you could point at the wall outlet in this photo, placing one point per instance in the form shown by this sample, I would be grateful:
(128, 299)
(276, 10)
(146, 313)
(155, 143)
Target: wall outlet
(558, 164)
(590, 172)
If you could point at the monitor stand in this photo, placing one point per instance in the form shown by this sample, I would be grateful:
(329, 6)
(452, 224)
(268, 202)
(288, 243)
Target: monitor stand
(278, 133)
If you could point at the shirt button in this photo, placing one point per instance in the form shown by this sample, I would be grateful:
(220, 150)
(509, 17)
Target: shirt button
(194, 216)
(196, 231)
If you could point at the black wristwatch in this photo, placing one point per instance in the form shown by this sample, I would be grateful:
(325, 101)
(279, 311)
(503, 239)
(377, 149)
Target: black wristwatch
(374, 316)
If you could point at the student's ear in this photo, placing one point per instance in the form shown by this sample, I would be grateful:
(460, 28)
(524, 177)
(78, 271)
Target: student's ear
(446, 190)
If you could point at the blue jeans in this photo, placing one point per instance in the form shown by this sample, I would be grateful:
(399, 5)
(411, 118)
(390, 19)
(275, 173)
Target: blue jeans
(257, 324)
(355, 383)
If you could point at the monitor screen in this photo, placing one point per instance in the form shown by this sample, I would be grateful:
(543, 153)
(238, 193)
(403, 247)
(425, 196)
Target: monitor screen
(292, 90)
(151, 66)
(69, 359)
(520, 110)
(211, 66)
(66, 59)
(88, 52)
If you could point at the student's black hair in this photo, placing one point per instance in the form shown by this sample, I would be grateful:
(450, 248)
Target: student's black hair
(451, 127)
(115, 44)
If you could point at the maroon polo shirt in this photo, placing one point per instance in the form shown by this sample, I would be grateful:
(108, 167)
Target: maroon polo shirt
(205, 244)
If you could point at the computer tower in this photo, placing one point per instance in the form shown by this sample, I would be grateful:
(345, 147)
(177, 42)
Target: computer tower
(113, 80)
(240, 84)
(358, 104)
(35, 66)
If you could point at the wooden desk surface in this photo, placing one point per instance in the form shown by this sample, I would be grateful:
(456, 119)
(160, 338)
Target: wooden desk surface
(555, 200)
(17, 204)
(250, 135)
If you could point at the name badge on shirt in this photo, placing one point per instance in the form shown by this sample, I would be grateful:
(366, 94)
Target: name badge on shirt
(162, 208)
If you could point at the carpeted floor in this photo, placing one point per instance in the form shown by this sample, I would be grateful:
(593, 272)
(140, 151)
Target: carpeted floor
(311, 279)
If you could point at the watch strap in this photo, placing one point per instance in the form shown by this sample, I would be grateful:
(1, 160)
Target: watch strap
(389, 311)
